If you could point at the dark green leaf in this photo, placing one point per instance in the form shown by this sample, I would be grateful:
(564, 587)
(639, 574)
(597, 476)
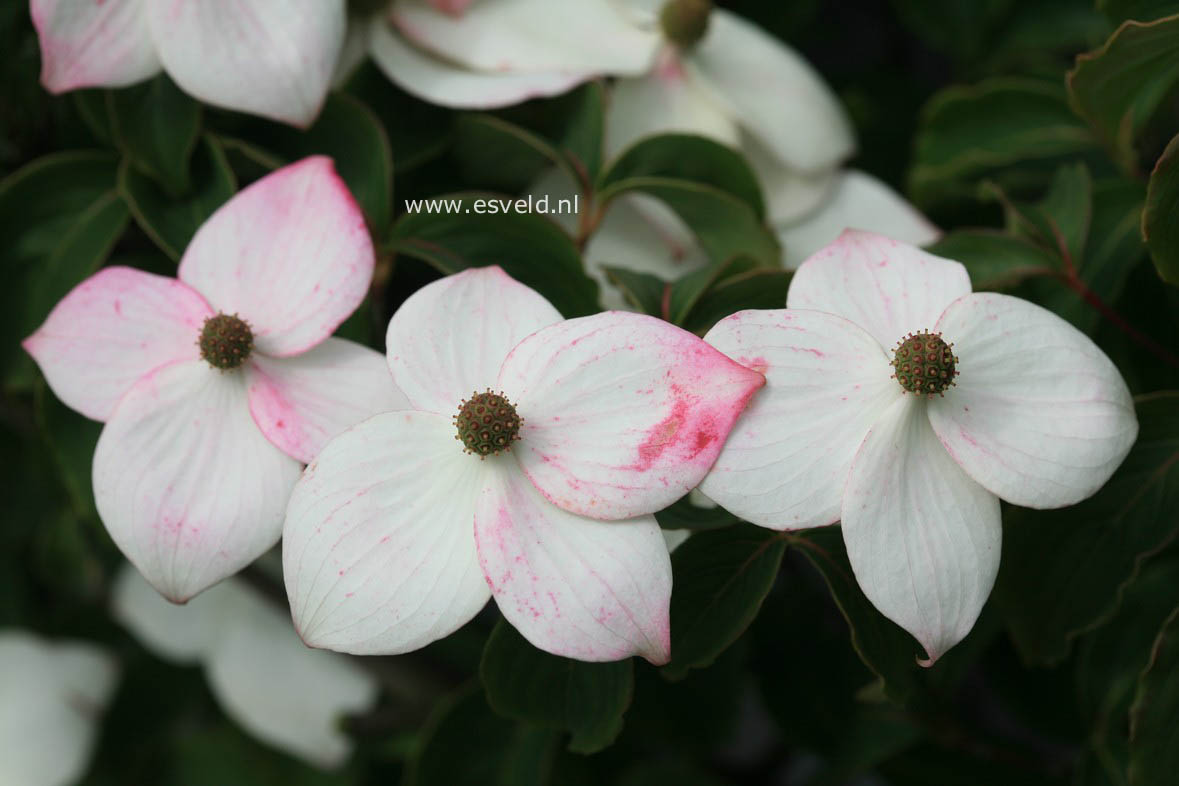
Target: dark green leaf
(683, 514)
(171, 223)
(92, 107)
(721, 578)
(156, 125)
(347, 131)
(668, 772)
(72, 439)
(532, 249)
(1140, 10)
(1154, 734)
(649, 294)
(1159, 224)
(887, 650)
(59, 217)
(685, 157)
(725, 226)
(1063, 571)
(995, 259)
(418, 131)
(760, 288)
(959, 29)
(970, 132)
(464, 743)
(1118, 87)
(227, 757)
(496, 154)
(1110, 660)
(509, 149)
(586, 700)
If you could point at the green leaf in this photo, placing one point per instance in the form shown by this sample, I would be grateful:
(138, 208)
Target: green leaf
(725, 227)
(888, 651)
(686, 157)
(59, 217)
(646, 292)
(347, 131)
(1063, 571)
(721, 578)
(1118, 87)
(969, 132)
(495, 154)
(156, 125)
(961, 30)
(710, 187)
(1140, 10)
(1154, 734)
(646, 773)
(1110, 660)
(226, 756)
(995, 260)
(418, 132)
(698, 300)
(72, 439)
(1159, 227)
(682, 514)
(92, 108)
(1115, 247)
(586, 700)
(169, 222)
(464, 743)
(759, 288)
(529, 247)
(507, 150)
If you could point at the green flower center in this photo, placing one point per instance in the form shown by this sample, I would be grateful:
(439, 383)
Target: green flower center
(924, 364)
(226, 341)
(487, 424)
(685, 21)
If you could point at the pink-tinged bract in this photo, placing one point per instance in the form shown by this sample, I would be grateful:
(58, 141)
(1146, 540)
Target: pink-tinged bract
(195, 465)
(110, 331)
(585, 589)
(273, 58)
(380, 538)
(623, 413)
(290, 254)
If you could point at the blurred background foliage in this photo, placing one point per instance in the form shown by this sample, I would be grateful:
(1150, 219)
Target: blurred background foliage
(1037, 134)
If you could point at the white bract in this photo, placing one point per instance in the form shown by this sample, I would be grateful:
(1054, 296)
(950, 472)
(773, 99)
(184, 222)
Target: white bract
(746, 89)
(1037, 416)
(52, 696)
(494, 53)
(273, 58)
(277, 689)
(398, 533)
(215, 386)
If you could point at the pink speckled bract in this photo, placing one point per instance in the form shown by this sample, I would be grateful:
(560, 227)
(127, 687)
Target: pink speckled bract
(195, 464)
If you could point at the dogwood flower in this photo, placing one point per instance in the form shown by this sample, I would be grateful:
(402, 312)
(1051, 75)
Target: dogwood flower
(214, 387)
(278, 690)
(482, 55)
(273, 58)
(717, 75)
(527, 470)
(53, 696)
(904, 405)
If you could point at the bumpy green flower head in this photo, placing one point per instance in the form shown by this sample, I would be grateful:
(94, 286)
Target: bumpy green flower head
(226, 341)
(487, 424)
(925, 364)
